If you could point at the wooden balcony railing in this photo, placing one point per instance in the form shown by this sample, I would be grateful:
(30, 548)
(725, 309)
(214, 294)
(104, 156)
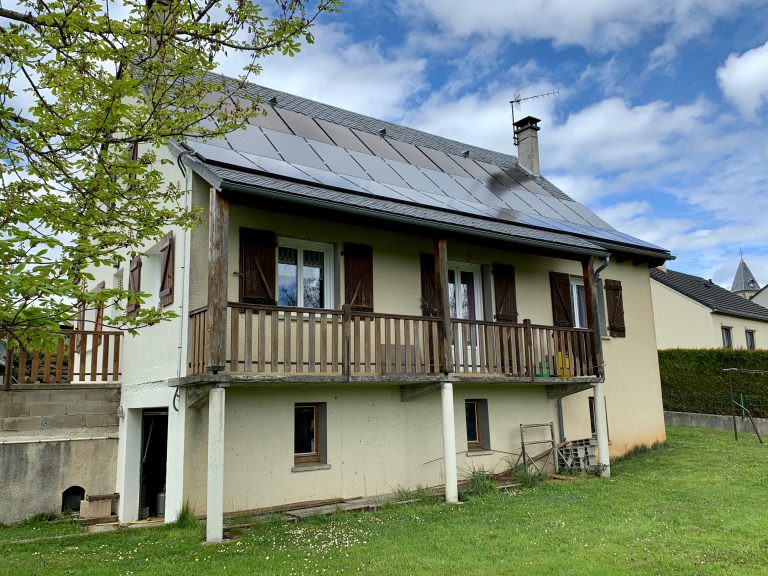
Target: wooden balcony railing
(310, 341)
(79, 356)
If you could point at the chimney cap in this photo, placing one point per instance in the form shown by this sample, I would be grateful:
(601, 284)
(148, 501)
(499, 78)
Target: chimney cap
(528, 122)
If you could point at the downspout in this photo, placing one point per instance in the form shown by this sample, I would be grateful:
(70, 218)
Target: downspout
(182, 303)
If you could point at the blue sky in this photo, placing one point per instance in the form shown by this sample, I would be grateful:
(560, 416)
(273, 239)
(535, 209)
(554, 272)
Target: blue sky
(660, 124)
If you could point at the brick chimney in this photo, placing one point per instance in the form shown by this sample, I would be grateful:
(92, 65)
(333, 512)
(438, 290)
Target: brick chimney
(527, 140)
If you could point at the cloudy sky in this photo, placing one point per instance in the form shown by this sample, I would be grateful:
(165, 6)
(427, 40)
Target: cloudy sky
(660, 124)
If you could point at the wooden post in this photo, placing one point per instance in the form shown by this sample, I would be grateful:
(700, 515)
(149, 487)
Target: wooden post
(218, 240)
(346, 330)
(444, 312)
(530, 369)
(593, 321)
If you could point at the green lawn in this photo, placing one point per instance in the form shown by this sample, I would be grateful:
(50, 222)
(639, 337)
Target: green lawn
(697, 506)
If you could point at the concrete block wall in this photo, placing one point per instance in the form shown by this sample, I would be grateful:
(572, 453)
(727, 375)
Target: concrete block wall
(42, 408)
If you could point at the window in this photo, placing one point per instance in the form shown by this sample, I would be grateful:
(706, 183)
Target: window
(302, 274)
(727, 337)
(464, 294)
(309, 433)
(578, 303)
(750, 334)
(478, 432)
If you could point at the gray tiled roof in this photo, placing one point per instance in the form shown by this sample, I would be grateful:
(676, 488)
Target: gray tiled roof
(334, 153)
(744, 280)
(706, 292)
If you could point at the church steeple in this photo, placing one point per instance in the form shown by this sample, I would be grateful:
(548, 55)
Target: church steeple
(744, 283)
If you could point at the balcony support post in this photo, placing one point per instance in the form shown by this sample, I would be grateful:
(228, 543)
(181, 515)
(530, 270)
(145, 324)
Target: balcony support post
(444, 312)
(218, 240)
(601, 421)
(449, 444)
(214, 522)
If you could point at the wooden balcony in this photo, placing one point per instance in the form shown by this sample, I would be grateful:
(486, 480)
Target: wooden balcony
(308, 343)
(81, 356)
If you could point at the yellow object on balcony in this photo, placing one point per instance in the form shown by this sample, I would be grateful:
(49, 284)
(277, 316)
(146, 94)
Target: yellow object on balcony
(563, 365)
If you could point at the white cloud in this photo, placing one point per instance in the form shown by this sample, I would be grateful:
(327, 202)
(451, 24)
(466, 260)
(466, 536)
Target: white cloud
(357, 76)
(743, 78)
(593, 24)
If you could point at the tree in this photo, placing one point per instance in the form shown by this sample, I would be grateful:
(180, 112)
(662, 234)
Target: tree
(83, 85)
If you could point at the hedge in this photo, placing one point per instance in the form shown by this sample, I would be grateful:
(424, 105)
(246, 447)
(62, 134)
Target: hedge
(694, 381)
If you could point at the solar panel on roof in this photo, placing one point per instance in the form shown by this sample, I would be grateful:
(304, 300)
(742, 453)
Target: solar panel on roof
(514, 201)
(332, 179)
(251, 139)
(443, 161)
(217, 154)
(295, 149)
(342, 136)
(378, 145)
(338, 159)
(412, 154)
(269, 119)
(414, 177)
(479, 192)
(448, 185)
(533, 187)
(378, 169)
(470, 166)
(499, 175)
(377, 189)
(278, 167)
(535, 202)
(303, 125)
(561, 208)
(588, 215)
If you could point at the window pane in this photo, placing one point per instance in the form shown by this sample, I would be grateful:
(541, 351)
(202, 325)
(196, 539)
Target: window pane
(471, 410)
(468, 296)
(581, 307)
(313, 279)
(727, 343)
(750, 340)
(287, 277)
(452, 293)
(304, 432)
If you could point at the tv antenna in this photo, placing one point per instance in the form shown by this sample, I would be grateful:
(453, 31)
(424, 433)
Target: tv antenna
(518, 100)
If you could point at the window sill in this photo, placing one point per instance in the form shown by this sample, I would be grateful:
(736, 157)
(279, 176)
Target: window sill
(472, 453)
(310, 466)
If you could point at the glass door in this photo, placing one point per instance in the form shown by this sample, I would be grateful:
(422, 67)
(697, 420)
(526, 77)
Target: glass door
(465, 304)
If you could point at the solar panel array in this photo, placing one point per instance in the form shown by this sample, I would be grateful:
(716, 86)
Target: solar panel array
(288, 144)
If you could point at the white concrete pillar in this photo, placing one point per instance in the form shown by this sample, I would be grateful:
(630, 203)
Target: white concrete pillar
(129, 465)
(601, 423)
(449, 444)
(174, 464)
(214, 531)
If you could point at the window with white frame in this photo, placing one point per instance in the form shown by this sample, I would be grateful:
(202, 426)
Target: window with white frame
(304, 274)
(750, 335)
(579, 303)
(464, 292)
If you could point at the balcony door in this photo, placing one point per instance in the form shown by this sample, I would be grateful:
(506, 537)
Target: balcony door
(465, 303)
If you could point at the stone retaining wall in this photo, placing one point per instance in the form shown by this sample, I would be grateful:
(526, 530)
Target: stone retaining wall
(716, 422)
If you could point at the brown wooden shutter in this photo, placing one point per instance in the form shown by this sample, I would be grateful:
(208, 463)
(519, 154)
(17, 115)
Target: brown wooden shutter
(428, 286)
(505, 293)
(134, 284)
(167, 255)
(358, 276)
(258, 266)
(562, 307)
(615, 304)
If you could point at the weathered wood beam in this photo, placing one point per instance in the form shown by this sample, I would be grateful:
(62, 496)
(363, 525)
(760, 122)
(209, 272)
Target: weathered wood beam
(592, 304)
(218, 240)
(441, 281)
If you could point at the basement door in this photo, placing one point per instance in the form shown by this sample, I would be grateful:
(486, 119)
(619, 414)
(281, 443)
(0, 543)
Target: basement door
(154, 452)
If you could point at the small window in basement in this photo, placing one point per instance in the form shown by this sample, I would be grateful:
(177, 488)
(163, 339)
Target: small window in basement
(71, 499)
(309, 433)
(478, 431)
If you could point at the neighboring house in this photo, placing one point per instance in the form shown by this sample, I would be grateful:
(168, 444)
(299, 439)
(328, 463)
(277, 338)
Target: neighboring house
(761, 297)
(692, 312)
(744, 282)
(366, 307)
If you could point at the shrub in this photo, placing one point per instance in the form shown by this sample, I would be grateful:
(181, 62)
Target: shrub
(694, 381)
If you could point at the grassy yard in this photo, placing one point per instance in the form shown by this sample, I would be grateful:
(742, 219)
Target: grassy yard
(696, 506)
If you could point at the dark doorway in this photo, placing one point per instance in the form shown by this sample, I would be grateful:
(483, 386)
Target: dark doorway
(154, 450)
(71, 499)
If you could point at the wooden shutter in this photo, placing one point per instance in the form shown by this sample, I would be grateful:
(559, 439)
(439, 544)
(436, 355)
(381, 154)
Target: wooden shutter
(134, 284)
(562, 306)
(505, 293)
(358, 276)
(615, 304)
(428, 286)
(167, 255)
(258, 266)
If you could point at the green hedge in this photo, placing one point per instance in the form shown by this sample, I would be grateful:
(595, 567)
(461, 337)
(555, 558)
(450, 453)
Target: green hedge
(694, 381)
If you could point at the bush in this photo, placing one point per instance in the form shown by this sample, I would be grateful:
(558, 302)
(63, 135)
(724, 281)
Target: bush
(694, 381)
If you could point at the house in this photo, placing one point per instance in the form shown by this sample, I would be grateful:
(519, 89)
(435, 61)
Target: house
(692, 312)
(366, 306)
(761, 297)
(744, 282)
